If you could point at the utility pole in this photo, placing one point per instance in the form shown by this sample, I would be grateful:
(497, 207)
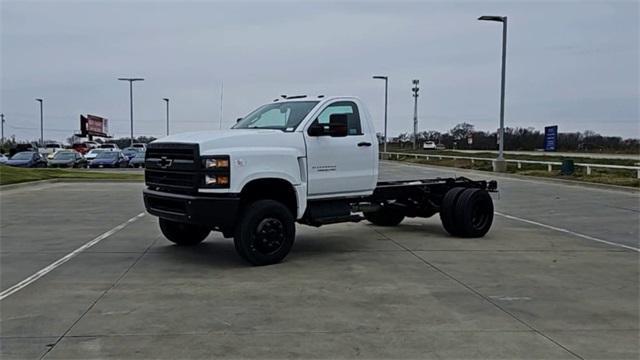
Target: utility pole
(41, 124)
(415, 113)
(131, 80)
(167, 101)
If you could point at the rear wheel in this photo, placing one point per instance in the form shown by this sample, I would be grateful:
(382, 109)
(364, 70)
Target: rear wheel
(474, 213)
(384, 217)
(183, 234)
(447, 211)
(265, 232)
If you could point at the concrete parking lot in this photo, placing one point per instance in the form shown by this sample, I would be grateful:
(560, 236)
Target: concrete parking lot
(556, 277)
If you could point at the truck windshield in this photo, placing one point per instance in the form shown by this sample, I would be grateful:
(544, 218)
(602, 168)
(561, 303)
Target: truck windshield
(284, 116)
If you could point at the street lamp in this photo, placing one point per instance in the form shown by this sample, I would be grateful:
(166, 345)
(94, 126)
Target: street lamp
(500, 164)
(2, 127)
(131, 80)
(41, 124)
(386, 104)
(167, 101)
(415, 90)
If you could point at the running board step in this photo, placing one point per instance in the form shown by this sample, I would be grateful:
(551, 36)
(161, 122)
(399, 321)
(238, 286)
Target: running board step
(334, 220)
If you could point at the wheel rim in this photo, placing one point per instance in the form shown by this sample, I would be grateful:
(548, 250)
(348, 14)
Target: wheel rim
(480, 215)
(269, 236)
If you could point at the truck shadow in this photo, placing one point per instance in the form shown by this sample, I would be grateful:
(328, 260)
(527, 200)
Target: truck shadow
(216, 252)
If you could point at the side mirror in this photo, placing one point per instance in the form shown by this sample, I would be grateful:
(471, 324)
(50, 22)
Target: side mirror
(238, 120)
(316, 129)
(338, 125)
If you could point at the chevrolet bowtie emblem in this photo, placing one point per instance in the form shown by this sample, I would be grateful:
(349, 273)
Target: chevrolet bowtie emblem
(164, 162)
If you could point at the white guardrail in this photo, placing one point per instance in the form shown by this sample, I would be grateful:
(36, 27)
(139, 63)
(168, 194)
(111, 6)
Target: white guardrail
(519, 163)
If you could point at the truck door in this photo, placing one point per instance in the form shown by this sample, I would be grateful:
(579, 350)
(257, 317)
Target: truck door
(341, 165)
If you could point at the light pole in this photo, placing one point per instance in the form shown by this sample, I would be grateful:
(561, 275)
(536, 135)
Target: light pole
(131, 80)
(386, 104)
(167, 101)
(41, 124)
(2, 129)
(499, 164)
(415, 90)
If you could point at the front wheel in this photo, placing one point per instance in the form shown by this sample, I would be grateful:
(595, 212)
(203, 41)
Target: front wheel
(183, 234)
(265, 233)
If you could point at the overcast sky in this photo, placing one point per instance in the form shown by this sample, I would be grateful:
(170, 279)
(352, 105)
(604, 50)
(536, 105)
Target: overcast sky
(570, 63)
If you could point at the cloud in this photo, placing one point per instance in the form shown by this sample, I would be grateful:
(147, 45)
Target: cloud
(570, 63)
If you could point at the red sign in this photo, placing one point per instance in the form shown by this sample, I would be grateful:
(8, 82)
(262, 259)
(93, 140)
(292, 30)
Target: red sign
(94, 125)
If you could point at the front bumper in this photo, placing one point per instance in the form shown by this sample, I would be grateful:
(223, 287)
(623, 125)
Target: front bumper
(216, 212)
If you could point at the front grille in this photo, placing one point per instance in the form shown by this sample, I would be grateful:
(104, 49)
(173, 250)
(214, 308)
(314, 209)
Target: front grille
(174, 151)
(171, 180)
(170, 156)
(172, 167)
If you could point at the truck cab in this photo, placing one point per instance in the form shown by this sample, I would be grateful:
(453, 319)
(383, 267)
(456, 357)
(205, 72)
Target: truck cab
(297, 159)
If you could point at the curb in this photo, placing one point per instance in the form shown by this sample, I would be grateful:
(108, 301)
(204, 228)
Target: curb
(28, 184)
(530, 177)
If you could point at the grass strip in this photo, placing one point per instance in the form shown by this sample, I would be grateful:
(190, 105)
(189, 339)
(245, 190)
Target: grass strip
(14, 175)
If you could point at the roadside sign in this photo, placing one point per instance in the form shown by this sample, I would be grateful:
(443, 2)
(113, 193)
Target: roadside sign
(550, 138)
(94, 125)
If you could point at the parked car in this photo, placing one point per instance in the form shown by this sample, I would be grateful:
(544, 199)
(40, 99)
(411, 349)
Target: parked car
(50, 149)
(29, 159)
(93, 153)
(109, 146)
(3, 159)
(440, 147)
(82, 148)
(429, 145)
(141, 146)
(24, 147)
(68, 158)
(109, 159)
(137, 161)
(131, 152)
(91, 144)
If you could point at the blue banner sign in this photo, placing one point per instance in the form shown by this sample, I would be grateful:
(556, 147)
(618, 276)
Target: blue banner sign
(550, 138)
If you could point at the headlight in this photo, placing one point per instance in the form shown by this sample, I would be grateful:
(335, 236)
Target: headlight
(216, 163)
(216, 171)
(220, 180)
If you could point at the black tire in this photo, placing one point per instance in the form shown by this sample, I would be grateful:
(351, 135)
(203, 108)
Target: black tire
(384, 217)
(447, 211)
(474, 213)
(265, 233)
(183, 234)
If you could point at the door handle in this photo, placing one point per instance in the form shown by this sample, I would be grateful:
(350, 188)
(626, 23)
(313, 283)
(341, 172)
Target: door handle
(364, 143)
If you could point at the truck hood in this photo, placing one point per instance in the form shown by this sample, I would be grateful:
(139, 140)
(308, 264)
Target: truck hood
(226, 139)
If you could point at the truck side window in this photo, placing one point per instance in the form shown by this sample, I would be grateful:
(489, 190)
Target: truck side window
(342, 107)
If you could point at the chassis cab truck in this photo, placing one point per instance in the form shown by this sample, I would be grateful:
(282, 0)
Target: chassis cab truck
(313, 161)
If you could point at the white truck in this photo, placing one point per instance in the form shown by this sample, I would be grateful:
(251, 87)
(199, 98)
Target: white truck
(298, 159)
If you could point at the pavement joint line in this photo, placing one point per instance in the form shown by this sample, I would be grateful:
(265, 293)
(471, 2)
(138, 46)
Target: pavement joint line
(486, 298)
(22, 284)
(104, 293)
(566, 231)
(294, 332)
(284, 332)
